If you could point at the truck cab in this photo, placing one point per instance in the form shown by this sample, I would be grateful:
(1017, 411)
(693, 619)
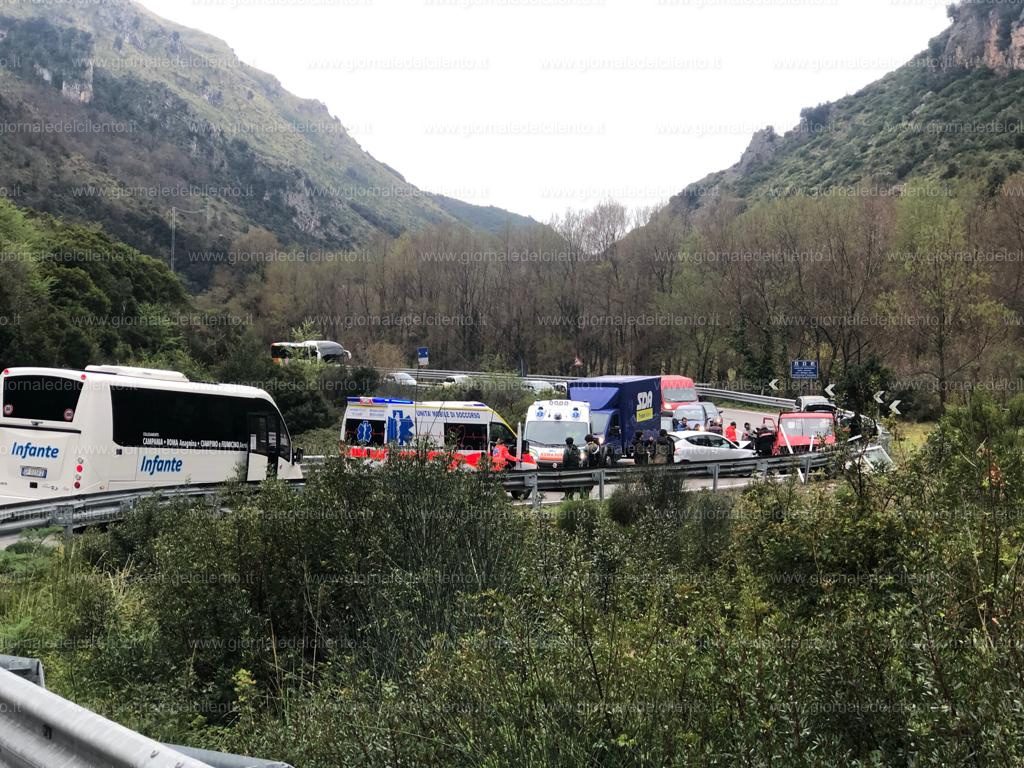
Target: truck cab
(796, 432)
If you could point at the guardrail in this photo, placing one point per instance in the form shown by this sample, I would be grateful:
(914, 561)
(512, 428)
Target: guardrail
(39, 728)
(73, 513)
(522, 483)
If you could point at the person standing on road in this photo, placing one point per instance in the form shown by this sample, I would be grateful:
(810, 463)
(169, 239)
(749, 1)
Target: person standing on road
(639, 450)
(571, 455)
(664, 449)
(593, 452)
(748, 432)
(501, 456)
(730, 431)
(570, 461)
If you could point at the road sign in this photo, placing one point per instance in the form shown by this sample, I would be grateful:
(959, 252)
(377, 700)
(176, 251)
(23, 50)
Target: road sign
(423, 353)
(803, 369)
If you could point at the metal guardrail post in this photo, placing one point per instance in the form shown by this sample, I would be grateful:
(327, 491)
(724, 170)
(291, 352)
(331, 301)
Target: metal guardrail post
(30, 669)
(64, 516)
(715, 471)
(600, 484)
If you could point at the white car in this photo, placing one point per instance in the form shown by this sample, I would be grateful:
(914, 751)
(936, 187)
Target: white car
(398, 377)
(707, 446)
(537, 386)
(457, 380)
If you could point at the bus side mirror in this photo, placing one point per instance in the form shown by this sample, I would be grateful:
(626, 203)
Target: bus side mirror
(299, 455)
(526, 446)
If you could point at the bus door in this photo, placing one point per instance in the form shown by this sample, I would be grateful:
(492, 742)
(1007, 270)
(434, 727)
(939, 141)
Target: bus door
(264, 446)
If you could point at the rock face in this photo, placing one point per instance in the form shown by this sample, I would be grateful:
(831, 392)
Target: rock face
(762, 146)
(79, 90)
(986, 34)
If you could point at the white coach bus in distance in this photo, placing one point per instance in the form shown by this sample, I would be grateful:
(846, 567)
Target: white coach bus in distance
(111, 428)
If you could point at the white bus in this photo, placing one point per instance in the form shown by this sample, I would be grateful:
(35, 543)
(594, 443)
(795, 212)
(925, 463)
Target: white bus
(330, 352)
(111, 428)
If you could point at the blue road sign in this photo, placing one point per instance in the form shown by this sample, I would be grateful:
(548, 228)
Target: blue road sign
(803, 369)
(423, 353)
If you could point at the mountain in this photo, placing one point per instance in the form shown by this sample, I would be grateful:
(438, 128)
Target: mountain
(953, 113)
(111, 114)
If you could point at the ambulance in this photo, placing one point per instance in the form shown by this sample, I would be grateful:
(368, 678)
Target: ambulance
(375, 426)
(549, 423)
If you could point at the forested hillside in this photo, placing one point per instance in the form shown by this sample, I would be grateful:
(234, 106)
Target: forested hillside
(112, 115)
(71, 295)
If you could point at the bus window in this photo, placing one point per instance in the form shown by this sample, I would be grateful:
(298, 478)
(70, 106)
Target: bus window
(286, 440)
(41, 398)
(154, 418)
(259, 434)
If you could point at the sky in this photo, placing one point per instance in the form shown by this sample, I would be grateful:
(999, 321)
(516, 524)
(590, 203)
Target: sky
(538, 106)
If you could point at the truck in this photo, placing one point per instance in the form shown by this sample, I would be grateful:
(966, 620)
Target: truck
(549, 423)
(677, 392)
(796, 432)
(620, 406)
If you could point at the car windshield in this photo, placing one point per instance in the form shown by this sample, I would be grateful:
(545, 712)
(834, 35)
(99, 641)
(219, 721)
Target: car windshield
(553, 433)
(679, 395)
(807, 427)
(690, 413)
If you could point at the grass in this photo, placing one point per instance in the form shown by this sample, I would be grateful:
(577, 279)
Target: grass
(909, 437)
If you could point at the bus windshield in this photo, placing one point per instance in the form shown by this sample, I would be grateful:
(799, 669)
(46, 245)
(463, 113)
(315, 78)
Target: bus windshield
(553, 433)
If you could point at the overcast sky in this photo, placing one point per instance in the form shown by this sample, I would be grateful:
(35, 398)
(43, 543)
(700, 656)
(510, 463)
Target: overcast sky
(540, 105)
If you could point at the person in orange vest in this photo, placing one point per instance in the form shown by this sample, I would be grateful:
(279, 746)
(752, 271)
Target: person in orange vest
(730, 431)
(501, 456)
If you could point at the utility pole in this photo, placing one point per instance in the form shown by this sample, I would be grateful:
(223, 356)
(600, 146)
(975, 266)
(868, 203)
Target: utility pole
(174, 226)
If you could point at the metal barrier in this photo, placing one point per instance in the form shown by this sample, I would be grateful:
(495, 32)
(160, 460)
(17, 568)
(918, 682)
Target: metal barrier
(563, 481)
(73, 513)
(39, 729)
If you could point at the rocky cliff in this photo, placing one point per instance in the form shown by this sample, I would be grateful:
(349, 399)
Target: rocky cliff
(986, 34)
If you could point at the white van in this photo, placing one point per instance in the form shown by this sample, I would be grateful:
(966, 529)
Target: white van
(549, 422)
